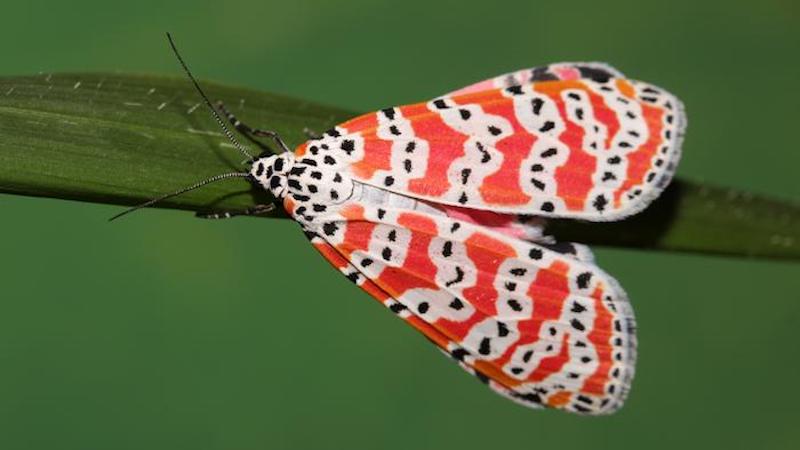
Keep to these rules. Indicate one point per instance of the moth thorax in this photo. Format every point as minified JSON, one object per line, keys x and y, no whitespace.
{"x":271,"y":173}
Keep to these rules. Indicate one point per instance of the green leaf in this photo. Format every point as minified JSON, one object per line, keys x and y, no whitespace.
{"x":124,"y":139}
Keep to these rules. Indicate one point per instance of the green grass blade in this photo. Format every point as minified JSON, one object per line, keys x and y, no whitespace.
{"x":124,"y":139}
{"x":692,"y":217}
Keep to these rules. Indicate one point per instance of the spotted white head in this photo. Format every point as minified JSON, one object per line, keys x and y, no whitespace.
{"x":272,"y":173}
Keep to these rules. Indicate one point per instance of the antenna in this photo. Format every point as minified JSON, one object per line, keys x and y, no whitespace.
{"x":181,"y":191}
{"x":208,"y":102}
{"x":224,"y":129}
{"x":221,"y":123}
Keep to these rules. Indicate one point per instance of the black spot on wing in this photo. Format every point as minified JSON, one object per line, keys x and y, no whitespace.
{"x":595,"y":74}
{"x":502,"y":329}
{"x":447,"y":249}
{"x":465,"y":173}
{"x":541,"y":74}
{"x":353,"y":276}
{"x":583,"y":280}
{"x":397,"y":307}
{"x":330,"y":228}
{"x":485,"y":346}
{"x":459,"y":354}
{"x":536,"y":105}
{"x":389,"y":113}
{"x":348,"y":146}
{"x":600,"y":203}
{"x":459,"y":277}
{"x":577,"y":308}
{"x":552,"y":151}
{"x":485,"y":156}
{"x":548,"y":125}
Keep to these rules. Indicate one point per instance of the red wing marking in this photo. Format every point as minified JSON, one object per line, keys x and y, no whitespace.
{"x":502,"y":187}
{"x":639,"y":160}
{"x":446,"y":145}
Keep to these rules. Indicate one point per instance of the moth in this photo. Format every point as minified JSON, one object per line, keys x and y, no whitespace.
{"x":437,"y":210}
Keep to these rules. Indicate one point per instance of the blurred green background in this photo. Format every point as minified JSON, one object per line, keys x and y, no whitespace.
{"x":163,"y":331}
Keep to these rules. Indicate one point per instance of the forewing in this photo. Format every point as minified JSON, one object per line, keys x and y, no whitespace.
{"x":540,"y":327}
{"x":592,"y":148}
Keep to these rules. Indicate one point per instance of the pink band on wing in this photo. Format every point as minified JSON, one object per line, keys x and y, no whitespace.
{"x":503,"y":223}
{"x":567,"y":73}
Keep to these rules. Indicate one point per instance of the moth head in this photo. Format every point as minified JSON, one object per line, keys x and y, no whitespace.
{"x":271,"y":172}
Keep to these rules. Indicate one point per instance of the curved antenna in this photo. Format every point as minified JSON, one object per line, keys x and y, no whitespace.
{"x":181,"y":191}
{"x":208,"y":102}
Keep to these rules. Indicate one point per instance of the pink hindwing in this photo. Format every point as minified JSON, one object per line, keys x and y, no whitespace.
{"x":583,"y":143}
{"x":437,"y":210}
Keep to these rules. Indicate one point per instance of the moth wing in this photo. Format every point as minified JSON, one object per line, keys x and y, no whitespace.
{"x":540,"y":327}
{"x":558,"y":71}
{"x":591,"y":148}
{"x":435,"y":336}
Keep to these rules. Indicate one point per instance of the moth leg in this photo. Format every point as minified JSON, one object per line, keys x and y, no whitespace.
{"x":311,"y":134}
{"x":250,"y":131}
{"x":224,"y":214}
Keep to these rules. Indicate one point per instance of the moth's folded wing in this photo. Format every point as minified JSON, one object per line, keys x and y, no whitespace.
{"x":401,"y":310}
{"x":538,"y":327}
{"x":564,"y":148}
